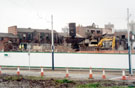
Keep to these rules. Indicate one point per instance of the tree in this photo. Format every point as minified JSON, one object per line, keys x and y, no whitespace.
{"x":65,"y":30}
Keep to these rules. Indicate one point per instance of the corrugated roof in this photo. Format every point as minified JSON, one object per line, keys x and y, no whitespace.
{"x":9,"y":35}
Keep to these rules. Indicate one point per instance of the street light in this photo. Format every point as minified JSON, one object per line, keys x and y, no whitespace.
{"x":29,"y":46}
{"x":52,"y":35}
{"x":52,"y":42}
{"x":129,"y":45}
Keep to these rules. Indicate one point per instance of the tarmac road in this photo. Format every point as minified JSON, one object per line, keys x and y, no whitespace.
{"x":74,"y":74}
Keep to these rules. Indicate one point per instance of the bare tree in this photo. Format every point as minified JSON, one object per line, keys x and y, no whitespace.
{"x":65,"y":30}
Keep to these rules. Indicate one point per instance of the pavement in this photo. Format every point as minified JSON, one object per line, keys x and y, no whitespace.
{"x":74,"y":74}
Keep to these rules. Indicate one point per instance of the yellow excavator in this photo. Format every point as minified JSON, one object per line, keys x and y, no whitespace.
{"x":102,"y":41}
{"x":105,"y":43}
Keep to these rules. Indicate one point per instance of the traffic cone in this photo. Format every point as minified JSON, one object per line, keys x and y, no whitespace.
{"x":0,"y":70}
{"x":18,"y":71}
{"x":123,"y":75}
{"x":67,"y":73}
{"x":103,"y":76}
{"x":90,"y":73}
{"x":42,"y":71}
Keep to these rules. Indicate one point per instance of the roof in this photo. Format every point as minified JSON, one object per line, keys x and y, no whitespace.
{"x":24,"y":30}
{"x":9,"y":35}
{"x":32,"y":30}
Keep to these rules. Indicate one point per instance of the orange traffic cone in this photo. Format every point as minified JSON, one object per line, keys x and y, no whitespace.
{"x":18,"y":71}
{"x":123,"y":75}
{"x":67,"y":73}
{"x":103,"y":76}
{"x":42,"y":71}
{"x":90,"y":73}
{"x":0,"y":70}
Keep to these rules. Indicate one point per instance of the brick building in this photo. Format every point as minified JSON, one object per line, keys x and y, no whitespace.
{"x":109,"y":28}
{"x":94,"y":30}
{"x":121,"y":40}
{"x":8,"y":42}
{"x":107,"y":31}
{"x":34,"y":36}
{"x":87,"y":31}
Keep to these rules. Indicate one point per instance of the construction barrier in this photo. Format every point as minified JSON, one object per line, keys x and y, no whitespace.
{"x":76,"y":60}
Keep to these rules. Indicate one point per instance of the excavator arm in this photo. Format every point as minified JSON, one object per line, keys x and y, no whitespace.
{"x":113,"y":42}
{"x":100,"y":44}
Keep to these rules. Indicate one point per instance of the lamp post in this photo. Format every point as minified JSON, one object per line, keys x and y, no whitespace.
{"x":52,"y":35}
{"x":52,"y":42}
{"x":129,"y":45}
{"x":29,"y":46}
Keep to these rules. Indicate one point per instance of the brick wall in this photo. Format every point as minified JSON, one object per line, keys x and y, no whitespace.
{"x":13,"y":30}
{"x":1,"y":46}
{"x":81,"y":31}
{"x":2,"y":43}
{"x":107,"y":30}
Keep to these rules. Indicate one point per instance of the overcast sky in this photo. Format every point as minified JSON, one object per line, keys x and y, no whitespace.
{"x":37,"y":13}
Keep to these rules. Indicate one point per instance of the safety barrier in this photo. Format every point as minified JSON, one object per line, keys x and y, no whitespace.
{"x":75,"y":60}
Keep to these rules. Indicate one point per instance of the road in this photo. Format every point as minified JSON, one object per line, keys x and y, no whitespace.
{"x":75,"y":74}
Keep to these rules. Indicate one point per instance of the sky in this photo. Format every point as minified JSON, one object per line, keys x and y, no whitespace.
{"x":37,"y":13}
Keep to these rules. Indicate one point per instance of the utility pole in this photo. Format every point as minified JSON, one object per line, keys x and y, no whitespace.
{"x":129,"y":45}
{"x":52,"y":42}
{"x":29,"y":46}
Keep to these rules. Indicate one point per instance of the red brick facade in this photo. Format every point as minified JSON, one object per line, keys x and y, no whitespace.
{"x":13,"y":30}
{"x":2,"y":42}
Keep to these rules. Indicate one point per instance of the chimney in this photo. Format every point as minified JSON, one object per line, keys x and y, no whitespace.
{"x":13,"y":30}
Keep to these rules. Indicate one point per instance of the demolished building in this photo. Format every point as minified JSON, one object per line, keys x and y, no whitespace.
{"x":38,"y":39}
{"x":8,"y":42}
